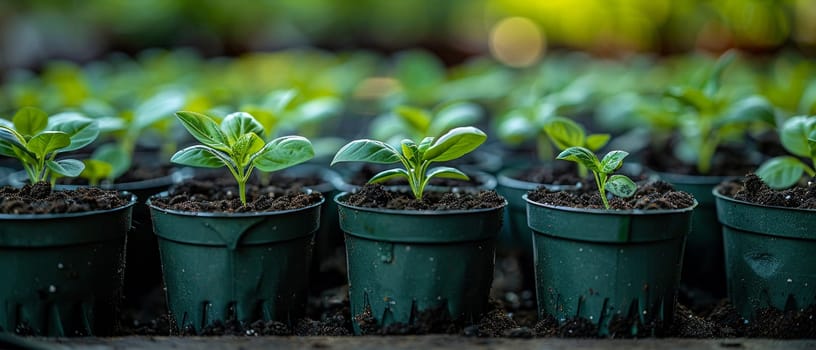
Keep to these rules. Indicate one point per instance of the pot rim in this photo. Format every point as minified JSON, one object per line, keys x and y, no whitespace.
{"x":230,"y":215}
{"x":638,"y":212}
{"x":717,"y":194}
{"x":133,"y":200}
{"x":694,"y":179}
{"x":415,"y":212}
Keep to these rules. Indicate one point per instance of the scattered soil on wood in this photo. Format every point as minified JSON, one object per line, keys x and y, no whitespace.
{"x":40,"y":199}
{"x":367,"y":171}
{"x":377,"y":196}
{"x":218,"y":196}
{"x":753,"y":190}
{"x":652,"y":196}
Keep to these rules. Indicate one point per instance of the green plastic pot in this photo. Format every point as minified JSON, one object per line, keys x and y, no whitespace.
{"x":770,"y":255}
{"x":241,"y":266}
{"x":62,"y":273}
{"x":704,"y":263}
{"x":402,"y":262}
{"x":600,"y":265}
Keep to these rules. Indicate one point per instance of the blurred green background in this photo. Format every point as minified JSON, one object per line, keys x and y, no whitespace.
{"x":516,"y":32}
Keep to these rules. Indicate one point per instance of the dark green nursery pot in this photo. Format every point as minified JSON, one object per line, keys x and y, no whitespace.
{"x":602,"y":265}
{"x":770,"y":255}
{"x":401,"y":262}
{"x":62,"y":273}
{"x":704,"y":263}
{"x":241,"y":266}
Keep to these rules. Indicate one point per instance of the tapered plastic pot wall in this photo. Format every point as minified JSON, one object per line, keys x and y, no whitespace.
{"x":603,"y":265}
{"x":704,"y":263}
{"x":62,"y":273}
{"x":770,"y":255}
{"x":243,"y":266}
{"x":403,"y":262}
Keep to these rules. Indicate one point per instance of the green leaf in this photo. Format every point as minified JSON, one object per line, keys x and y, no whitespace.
{"x":96,"y":170}
{"x":28,"y":121}
{"x":516,"y":128}
{"x":7,"y":149}
{"x":245,"y":148}
{"x":595,"y":142}
{"x":81,"y":130}
{"x":201,"y":156}
{"x":581,"y":156}
{"x":409,"y":150}
{"x":781,"y":172}
{"x":454,"y":115}
{"x":447,"y":173}
{"x":236,"y":125}
{"x":425,"y":144}
{"x":365,"y":150}
{"x":750,"y":109}
{"x":388,"y":175}
{"x":66,"y":167}
{"x":204,"y":129}
{"x":612,"y":161}
{"x":621,"y":186}
{"x":565,"y":133}
{"x":416,"y":118}
{"x":454,"y":144}
{"x":277,"y":101}
{"x":794,"y":134}
{"x":712,"y":85}
{"x":812,"y":146}
{"x":11,"y":136}
{"x":282,"y":153}
{"x":691,"y":97}
{"x":114,"y":155}
{"x":47,"y":142}
{"x":160,"y":106}
{"x":318,"y":109}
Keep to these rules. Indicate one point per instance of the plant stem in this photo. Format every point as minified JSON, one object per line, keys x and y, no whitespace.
{"x":600,"y":180}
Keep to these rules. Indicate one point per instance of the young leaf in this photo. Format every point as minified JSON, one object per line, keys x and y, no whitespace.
{"x":81,"y":130}
{"x":201,"y":156}
{"x":447,"y":173}
{"x":204,"y":129}
{"x":236,"y":125}
{"x":409,"y":149}
{"x":794,"y":134}
{"x":595,"y":142}
{"x":245,"y":148}
{"x":367,"y":151}
{"x":564,"y":133}
{"x":691,"y":97}
{"x":751,"y":109}
{"x":66,"y":167}
{"x":453,"y":115}
{"x":812,"y":146}
{"x":612,"y":161}
{"x":96,"y":170}
{"x":712,"y":85}
{"x":115,"y":156}
{"x":416,"y":118}
{"x":318,"y":109}
{"x":278,"y":100}
{"x":516,"y":128}
{"x":581,"y":156}
{"x":283,"y":152}
{"x":47,"y":142}
{"x":781,"y":172}
{"x":454,"y":144}
{"x":158,"y":107}
{"x":621,"y":186}
{"x":388,"y":175}
{"x":13,"y":137}
{"x":28,"y":121}
{"x":425,"y":144}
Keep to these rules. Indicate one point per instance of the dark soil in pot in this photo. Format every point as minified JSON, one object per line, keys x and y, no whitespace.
{"x":361,"y":176}
{"x":39,"y":199}
{"x":208,"y":196}
{"x":751,"y":189}
{"x":656,"y":195}
{"x":727,"y":161}
{"x":377,"y":196}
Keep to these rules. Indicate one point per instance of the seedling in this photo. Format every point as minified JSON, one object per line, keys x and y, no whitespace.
{"x":415,"y":158}
{"x":415,"y":123}
{"x":35,"y":140}
{"x":617,"y":184}
{"x":798,"y":136}
{"x":237,"y":144}
{"x":713,"y":116}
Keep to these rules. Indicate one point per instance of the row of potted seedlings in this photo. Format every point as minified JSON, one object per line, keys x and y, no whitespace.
{"x":245,"y":253}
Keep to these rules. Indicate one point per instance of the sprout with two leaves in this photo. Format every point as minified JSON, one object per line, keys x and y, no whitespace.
{"x":617,"y":184}
{"x":237,"y":144}
{"x":35,"y":139}
{"x":416,"y":158}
